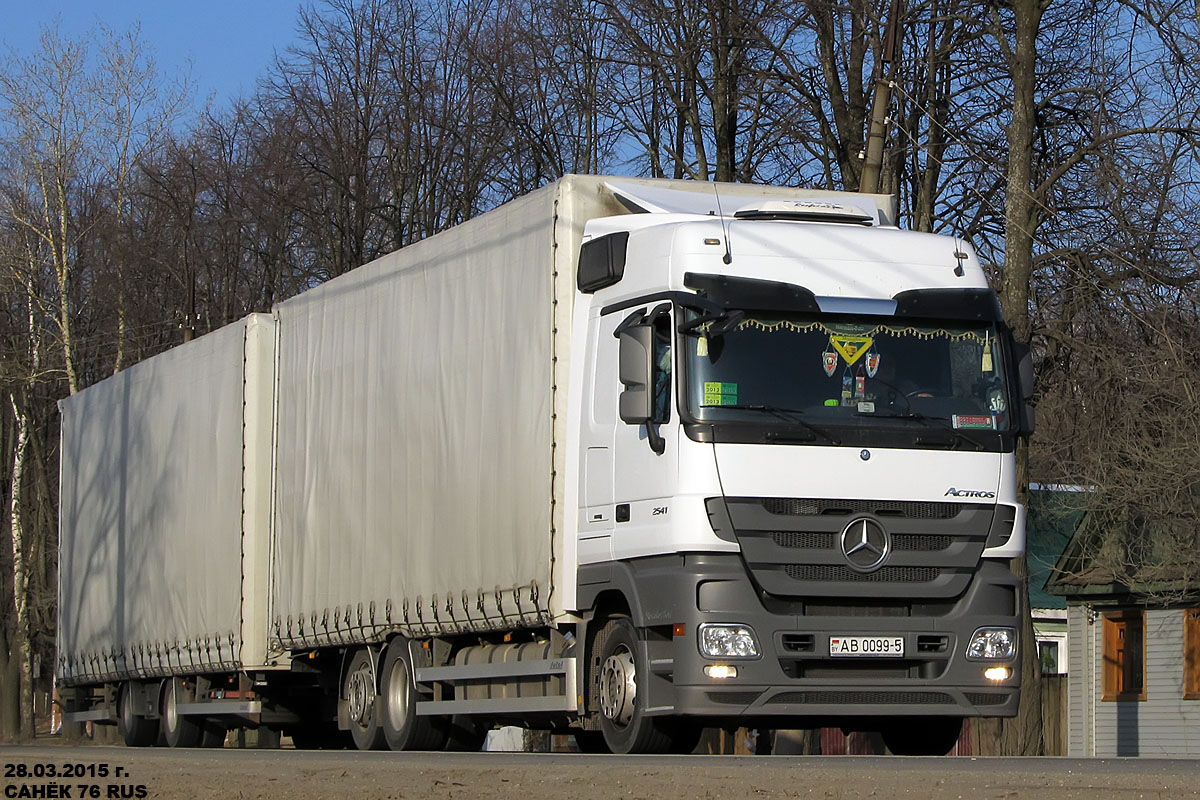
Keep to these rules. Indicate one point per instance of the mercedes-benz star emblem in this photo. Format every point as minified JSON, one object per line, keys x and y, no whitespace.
{"x":865,"y":544}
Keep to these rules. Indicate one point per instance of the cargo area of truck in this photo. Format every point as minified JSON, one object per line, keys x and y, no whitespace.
{"x":164,"y":508}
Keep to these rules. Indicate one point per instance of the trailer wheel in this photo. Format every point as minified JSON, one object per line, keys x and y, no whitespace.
{"x":402,"y":728}
{"x":178,"y":730}
{"x":136,"y":730}
{"x":358,"y":690}
{"x":922,"y":736}
{"x":623,"y":722}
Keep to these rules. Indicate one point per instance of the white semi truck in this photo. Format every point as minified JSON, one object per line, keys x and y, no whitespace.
{"x":623,"y":458}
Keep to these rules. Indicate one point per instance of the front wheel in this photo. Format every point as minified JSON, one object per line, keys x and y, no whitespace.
{"x":623,"y":721}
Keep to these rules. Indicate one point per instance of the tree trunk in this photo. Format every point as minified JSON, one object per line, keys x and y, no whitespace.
{"x":10,"y":696}
{"x":1020,"y":206}
{"x":23,"y":646}
{"x":1023,"y":734}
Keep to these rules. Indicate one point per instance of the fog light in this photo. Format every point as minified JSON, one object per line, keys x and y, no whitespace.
{"x":993,"y":644}
{"x":997,"y":673}
{"x":720,"y":671}
{"x":718,"y":640}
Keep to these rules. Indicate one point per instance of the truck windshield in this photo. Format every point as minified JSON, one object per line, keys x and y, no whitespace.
{"x":840,"y":373}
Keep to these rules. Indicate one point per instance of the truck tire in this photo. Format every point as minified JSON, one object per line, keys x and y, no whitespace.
{"x":928,"y":736}
{"x":358,"y":690}
{"x":625,"y":727}
{"x":402,"y":728}
{"x":136,"y":730}
{"x":178,"y":730}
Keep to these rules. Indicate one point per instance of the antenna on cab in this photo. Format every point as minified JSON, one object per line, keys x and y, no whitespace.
{"x":728,"y":257}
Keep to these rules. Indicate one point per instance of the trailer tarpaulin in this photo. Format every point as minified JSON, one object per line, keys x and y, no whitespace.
{"x":414,"y":470}
{"x":151,"y":558}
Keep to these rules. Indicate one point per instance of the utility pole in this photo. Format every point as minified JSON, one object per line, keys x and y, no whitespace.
{"x":877,"y":131}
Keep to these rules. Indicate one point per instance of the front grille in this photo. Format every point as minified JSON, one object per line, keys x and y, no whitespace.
{"x":733,"y":698}
{"x":798,"y":642}
{"x":856,"y":610}
{"x":921,"y":543}
{"x":980,"y":699}
{"x":822,"y":670}
{"x":907,"y":509}
{"x":901,"y":542}
{"x":793,"y":547}
{"x":840,"y":574}
{"x":805,"y":540}
{"x":864,"y":698}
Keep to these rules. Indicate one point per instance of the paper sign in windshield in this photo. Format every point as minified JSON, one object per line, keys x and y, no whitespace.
{"x":717,"y":393}
{"x":852,"y":348}
{"x":965,"y":421}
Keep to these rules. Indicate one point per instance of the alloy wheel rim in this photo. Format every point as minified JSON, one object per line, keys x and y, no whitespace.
{"x":618,"y":686}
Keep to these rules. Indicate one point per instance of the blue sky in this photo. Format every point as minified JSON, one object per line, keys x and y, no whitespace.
{"x":230,"y":43}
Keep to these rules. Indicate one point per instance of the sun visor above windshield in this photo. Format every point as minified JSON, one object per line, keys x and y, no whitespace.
{"x":752,"y":293}
{"x":967,"y":304}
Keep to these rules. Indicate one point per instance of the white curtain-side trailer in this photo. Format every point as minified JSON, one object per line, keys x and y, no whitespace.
{"x":621,"y":458}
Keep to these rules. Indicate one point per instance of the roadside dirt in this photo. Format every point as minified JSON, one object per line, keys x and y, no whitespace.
{"x":250,"y":774}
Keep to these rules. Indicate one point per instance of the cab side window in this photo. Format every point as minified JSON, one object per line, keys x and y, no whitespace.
{"x":662,"y":369}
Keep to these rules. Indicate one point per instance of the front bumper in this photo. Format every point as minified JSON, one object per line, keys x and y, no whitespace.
{"x":795,"y":676}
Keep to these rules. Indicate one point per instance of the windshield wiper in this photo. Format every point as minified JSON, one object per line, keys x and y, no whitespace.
{"x":785,"y":414}
{"x":942,"y":422}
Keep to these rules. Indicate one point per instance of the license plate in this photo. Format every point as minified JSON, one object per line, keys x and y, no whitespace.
{"x":866,"y":646}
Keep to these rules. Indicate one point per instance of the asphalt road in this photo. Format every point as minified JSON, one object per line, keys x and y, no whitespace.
{"x":104,"y":772}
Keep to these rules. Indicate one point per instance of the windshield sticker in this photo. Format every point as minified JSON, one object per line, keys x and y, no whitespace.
{"x":872,"y":364}
{"x":965,"y":421}
{"x":829,"y":361}
{"x":831,"y":403}
{"x":852,"y":348}
{"x":850,"y":329}
{"x":717,"y":393}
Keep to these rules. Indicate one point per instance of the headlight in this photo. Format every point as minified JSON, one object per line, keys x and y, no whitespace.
{"x":993,"y":644}
{"x":719,"y":640}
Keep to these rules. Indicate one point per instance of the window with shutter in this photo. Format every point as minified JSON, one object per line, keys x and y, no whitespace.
{"x":1124,"y":655}
{"x":1191,"y":654}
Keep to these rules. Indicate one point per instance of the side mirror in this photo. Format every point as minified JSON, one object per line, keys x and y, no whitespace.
{"x":1024,"y":369}
{"x":1029,"y":422}
{"x":635,"y":368}
{"x":1025,"y":378}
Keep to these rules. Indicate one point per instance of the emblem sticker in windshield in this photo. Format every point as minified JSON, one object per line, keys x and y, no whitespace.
{"x":851,"y":348}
